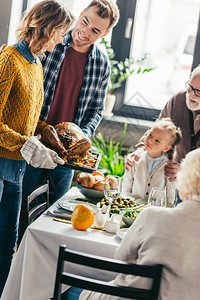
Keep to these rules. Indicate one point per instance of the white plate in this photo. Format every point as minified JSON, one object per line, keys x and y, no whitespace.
{"x":121,"y":233}
{"x":141,"y":201}
{"x":70,"y":205}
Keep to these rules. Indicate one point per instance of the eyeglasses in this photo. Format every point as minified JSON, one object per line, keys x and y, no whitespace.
{"x":189,"y":88}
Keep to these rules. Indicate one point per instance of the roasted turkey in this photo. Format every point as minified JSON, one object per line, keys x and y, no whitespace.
{"x":67,"y":139}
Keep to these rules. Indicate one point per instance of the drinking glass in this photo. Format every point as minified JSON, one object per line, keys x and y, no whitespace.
{"x":112,"y":188}
{"x":157,"y":197}
{"x":171,"y":195}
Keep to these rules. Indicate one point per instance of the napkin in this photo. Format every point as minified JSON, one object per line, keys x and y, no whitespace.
{"x":55,"y":211}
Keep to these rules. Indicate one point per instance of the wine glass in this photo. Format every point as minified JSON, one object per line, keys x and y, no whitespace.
{"x":157,"y":197}
{"x":171,"y":195}
{"x":112,"y":188}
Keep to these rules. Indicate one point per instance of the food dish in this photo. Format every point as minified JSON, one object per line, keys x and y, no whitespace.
{"x":71,"y":204}
{"x":121,"y":233}
{"x":128,"y":221}
{"x":141,"y":201}
{"x":130,"y":215}
{"x":90,"y":194}
{"x":119,"y":204}
{"x":86,"y":168}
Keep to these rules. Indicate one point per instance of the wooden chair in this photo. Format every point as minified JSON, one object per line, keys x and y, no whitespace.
{"x":32,"y":210}
{"x":153,"y":272}
{"x":38,"y":209}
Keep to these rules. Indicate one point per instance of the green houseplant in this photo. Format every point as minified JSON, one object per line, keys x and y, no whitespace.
{"x":112,"y":161}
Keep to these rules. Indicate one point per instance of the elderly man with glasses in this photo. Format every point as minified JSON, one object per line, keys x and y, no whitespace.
{"x":184,"y":111}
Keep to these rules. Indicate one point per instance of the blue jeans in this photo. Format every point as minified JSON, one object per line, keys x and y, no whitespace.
{"x":60,"y":180}
{"x":11,"y":175}
{"x":72,"y":293}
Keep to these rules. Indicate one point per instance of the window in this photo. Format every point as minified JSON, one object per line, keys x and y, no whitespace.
{"x":166,"y":31}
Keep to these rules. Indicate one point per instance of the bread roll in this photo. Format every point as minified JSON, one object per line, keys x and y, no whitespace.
{"x":99,"y":185}
{"x":79,"y":176}
{"x":97,"y":173}
{"x":98,"y":178}
{"x":87,"y":181}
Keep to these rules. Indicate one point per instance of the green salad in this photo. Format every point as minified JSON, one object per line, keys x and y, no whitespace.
{"x":134,"y":212}
{"x":131,"y":214}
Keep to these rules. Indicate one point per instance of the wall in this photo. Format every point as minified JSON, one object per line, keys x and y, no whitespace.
{"x":4,"y":20}
{"x":112,"y":129}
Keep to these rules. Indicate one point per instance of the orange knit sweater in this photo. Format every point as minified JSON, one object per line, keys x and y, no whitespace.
{"x":21,"y":98}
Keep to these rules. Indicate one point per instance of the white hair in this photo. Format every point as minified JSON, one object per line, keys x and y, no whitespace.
{"x":189,"y":175}
{"x":196,"y":71}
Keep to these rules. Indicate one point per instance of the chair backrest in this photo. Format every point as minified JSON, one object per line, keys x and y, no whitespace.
{"x":38,"y":209}
{"x":154,"y":272}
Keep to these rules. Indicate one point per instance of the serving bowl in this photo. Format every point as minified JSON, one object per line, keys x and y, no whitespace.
{"x":128,"y":221}
{"x":90,"y":194}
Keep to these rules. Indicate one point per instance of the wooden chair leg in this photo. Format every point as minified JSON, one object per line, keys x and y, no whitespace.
{"x":23,"y":221}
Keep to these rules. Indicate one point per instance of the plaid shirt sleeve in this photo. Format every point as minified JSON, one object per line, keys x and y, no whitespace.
{"x":93,"y":93}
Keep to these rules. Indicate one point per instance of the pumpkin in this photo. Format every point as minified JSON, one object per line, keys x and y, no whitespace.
{"x":82,"y":217}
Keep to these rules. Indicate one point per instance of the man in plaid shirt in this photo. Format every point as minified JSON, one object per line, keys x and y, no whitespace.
{"x":76,"y":76}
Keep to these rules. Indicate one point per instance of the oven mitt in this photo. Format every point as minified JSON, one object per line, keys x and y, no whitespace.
{"x":39,"y":156}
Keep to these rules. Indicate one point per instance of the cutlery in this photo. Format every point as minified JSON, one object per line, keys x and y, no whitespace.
{"x":62,"y":220}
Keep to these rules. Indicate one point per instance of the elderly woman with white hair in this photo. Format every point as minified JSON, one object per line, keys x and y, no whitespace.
{"x":167,"y":236}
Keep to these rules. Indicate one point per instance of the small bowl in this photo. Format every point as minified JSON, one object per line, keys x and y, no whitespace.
{"x":90,"y":194}
{"x":128,"y":221}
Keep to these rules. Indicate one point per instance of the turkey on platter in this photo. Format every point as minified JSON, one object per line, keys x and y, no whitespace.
{"x":67,"y":139}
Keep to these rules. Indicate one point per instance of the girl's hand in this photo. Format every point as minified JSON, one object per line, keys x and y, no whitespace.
{"x":171,"y":170}
{"x":131,"y":159}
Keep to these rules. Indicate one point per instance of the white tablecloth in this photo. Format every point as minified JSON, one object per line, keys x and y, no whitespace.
{"x":33,"y":270}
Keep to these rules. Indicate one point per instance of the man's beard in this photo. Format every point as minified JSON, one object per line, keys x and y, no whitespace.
{"x":192,"y":106}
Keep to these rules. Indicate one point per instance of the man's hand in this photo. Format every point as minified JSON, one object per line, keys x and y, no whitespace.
{"x":130,"y":160}
{"x":2,"y":47}
{"x":171,"y":170}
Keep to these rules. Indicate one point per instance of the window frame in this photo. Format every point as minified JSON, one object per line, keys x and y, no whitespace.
{"x":122,"y":50}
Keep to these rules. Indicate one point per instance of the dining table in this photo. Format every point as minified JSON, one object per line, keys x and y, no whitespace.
{"x":33,"y":270}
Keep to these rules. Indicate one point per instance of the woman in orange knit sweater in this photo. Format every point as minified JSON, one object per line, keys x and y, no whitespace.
{"x":21,"y":98}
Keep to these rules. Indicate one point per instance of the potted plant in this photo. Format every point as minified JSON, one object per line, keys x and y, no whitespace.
{"x":120,"y":71}
{"x":112,"y":161}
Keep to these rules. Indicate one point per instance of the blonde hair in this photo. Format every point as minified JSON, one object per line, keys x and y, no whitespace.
{"x":40,"y":23}
{"x":174,"y":132}
{"x":188,"y":176}
{"x":106,"y":9}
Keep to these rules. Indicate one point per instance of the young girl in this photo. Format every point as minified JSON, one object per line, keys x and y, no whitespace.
{"x":21,"y":98}
{"x":149,"y":172}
